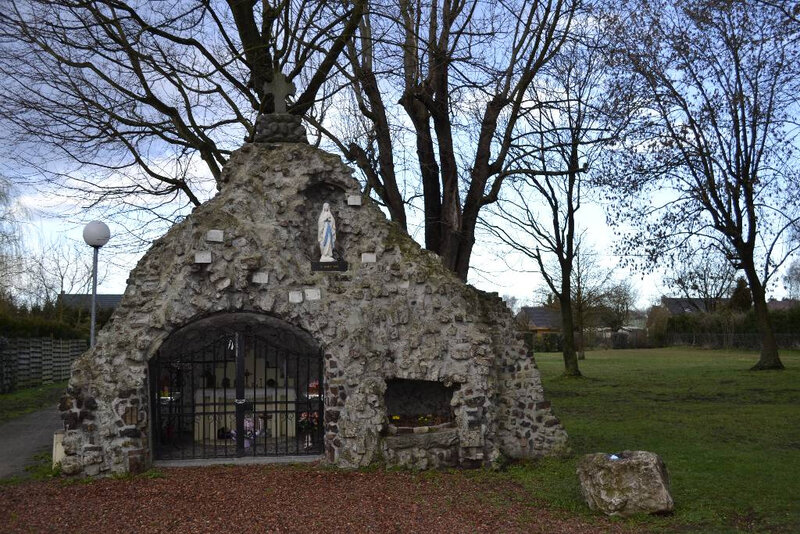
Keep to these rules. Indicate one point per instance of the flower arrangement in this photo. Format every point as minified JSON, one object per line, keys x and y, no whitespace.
{"x":250,"y":431}
{"x":418,"y":420}
{"x":308,"y":422}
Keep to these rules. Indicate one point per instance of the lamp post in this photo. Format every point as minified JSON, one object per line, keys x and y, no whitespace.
{"x":96,"y":234}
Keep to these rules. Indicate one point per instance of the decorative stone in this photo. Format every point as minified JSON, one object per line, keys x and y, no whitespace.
{"x":223,"y":284}
{"x":202,"y":257}
{"x":625,"y":483}
{"x":354,"y":200}
{"x":369,"y":257}
{"x":91,"y":470}
{"x":261,"y":277}
{"x":280,"y":128}
{"x":136,"y":461}
{"x":215,"y":236}
{"x":295,"y":297}
{"x":71,"y":465}
{"x":71,"y":442}
{"x":312,"y":294}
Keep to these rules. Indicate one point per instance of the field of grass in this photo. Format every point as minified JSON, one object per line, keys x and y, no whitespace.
{"x":29,"y":400}
{"x":730,"y":437}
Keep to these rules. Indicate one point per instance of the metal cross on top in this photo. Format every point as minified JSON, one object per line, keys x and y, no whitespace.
{"x":280,"y":87}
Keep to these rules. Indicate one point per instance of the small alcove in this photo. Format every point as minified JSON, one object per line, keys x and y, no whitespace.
{"x":419,"y":403}
{"x":314,"y":197}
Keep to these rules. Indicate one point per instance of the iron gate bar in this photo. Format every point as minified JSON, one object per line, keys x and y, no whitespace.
{"x":193,"y":409}
{"x":239,"y":402}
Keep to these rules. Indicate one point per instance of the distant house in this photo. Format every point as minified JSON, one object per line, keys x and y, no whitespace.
{"x":81,"y":301}
{"x":540,"y":319}
{"x":684,"y":305}
{"x":784,"y":304}
{"x":637,"y":320}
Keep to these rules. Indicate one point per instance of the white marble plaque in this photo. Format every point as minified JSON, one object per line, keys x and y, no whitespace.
{"x":215,"y":236}
{"x":202,"y":257}
{"x":312,"y":293}
{"x":354,"y":200}
{"x":369,"y":257}
{"x":261,"y":277}
{"x":295,"y":297}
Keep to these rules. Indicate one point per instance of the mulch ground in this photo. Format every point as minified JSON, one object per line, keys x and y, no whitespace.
{"x":242,"y":499}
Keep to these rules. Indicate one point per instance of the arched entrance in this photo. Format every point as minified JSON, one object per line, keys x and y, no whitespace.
{"x":236,"y":385}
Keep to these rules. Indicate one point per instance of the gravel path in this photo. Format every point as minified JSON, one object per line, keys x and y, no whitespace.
{"x":241,"y":499}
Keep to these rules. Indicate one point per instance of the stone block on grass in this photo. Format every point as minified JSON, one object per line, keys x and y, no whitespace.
{"x":625,"y":483}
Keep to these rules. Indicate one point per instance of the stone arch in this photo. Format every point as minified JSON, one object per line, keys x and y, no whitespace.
{"x":199,"y":329}
{"x":236,"y":384}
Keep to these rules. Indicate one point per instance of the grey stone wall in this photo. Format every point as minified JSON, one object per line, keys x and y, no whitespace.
{"x":395,"y":313}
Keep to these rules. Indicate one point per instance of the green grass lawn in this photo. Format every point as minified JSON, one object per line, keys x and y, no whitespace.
{"x":730,"y":437}
{"x":29,"y":400}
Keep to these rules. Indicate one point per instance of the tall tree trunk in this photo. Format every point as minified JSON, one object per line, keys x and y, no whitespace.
{"x":567,"y":325}
{"x":768,"y":358}
{"x":429,"y":170}
{"x":580,"y":343}
{"x":568,"y":330}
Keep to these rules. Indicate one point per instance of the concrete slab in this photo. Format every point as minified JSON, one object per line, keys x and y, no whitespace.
{"x":246,"y":460}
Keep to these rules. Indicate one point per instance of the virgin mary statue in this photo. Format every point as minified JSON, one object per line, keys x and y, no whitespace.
{"x":326,"y":234}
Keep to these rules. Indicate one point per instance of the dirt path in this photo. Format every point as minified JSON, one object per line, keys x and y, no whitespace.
{"x":284,"y":499}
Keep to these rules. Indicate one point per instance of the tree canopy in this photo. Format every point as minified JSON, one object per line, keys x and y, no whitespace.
{"x":711,"y":155}
{"x":132,"y":104}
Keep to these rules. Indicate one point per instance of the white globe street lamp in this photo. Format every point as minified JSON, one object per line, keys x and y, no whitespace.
{"x":96,"y":234}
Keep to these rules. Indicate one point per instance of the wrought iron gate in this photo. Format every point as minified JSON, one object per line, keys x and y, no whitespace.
{"x":239,"y":395}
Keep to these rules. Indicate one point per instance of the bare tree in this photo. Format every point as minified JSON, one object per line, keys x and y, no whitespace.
{"x":791,"y":280}
{"x":134,"y":103}
{"x":56,"y":268}
{"x":712,"y":155}
{"x":9,"y":237}
{"x":791,"y":12}
{"x":704,"y":274}
{"x":590,"y":282}
{"x":618,"y":303}
{"x":461,"y":71}
{"x":547,"y":165}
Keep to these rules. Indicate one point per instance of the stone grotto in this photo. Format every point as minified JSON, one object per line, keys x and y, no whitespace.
{"x":234,"y":339}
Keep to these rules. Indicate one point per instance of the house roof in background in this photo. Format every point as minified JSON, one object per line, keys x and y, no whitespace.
{"x":541,"y":317}
{"x":81,"y":301}
{"x":683,"y":305}
{"x":785,"y":304}
{"x":680,"y":306}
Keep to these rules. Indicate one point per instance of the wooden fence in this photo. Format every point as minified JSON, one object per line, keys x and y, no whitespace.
{"x":30,"y":362}
{"x":716,"y":340}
